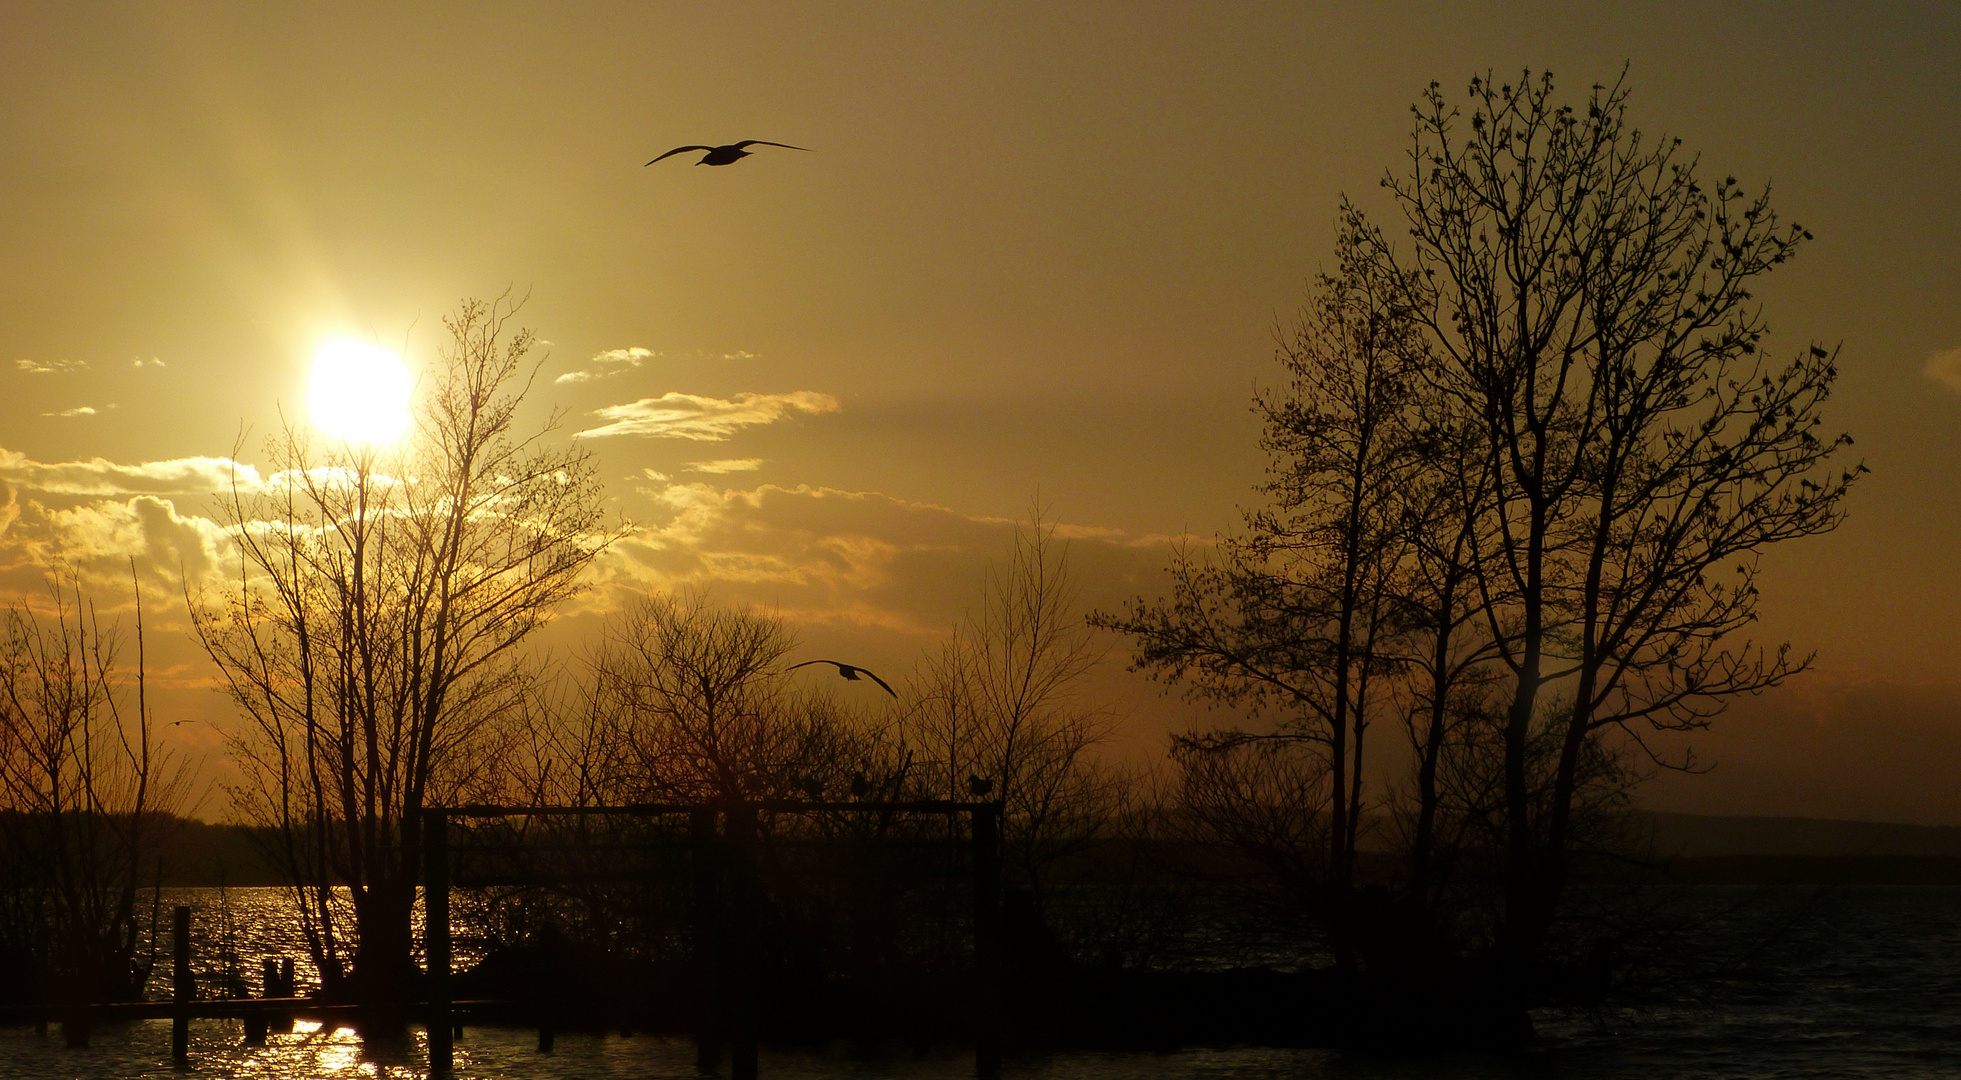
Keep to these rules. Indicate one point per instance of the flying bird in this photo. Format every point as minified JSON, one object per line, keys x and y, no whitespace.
{"x":730,"y":154}
{"x":849,"y":671}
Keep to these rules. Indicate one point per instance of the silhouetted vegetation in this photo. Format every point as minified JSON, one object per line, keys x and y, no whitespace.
{"x":84,"y":805}
{"x":372,"y":641}
{"x":1522,"y":468}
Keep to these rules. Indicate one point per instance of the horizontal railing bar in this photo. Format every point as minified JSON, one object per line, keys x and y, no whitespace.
{"x":220,"y":1008}
{"x":775,"y":806}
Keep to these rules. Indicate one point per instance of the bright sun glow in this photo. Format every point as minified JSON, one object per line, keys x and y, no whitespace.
{"x":360,"y":392}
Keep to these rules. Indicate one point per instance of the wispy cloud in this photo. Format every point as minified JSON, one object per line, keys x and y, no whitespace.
{"x":722,"y":466}
{"x":139,"y":362}
{"x":1945,"y":367}
{"x":620,"y":361}
{"x":99,"y":476}
{"x":35,"y":367}
{"x":611,"y":362}
{"x":706,"y":419}
{"x":820,"y":555}
{"x":79,"y":410}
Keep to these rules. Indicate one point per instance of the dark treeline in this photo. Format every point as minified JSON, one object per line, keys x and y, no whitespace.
{"x":1526,"y":450}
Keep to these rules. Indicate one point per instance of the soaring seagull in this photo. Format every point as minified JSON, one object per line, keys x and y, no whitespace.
{"x":728,"y":155}
{"x":849,"y":671}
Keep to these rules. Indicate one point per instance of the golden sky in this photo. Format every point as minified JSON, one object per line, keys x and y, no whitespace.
{"x":1035,"y":248}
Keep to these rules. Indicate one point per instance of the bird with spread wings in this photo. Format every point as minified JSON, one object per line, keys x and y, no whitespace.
{"x":849,"y":671}
{"x":730,"y":154}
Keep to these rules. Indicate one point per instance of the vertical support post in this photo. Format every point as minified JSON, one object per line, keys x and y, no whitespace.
{"x":283,"y":1023}
{"x":257,"y":1021}
{"x":744,"y":948}
{"x":182,"y":992}
{"x":986,"y":838}
{"x":710,"y":942}
{"x":435,"y":938}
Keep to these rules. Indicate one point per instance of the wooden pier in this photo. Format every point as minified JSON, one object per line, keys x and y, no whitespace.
{"x":722,"y":842}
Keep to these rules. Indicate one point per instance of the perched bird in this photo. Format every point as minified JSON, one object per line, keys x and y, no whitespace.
{"x":727,"y":155}
{"x":860,"y":787}
{"x":849,"y":671}
{"x":813,"y":788}
{"x":979,"y":785}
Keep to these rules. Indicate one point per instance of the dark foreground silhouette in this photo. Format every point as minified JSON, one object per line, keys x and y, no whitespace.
{"x":1065,"y":1007}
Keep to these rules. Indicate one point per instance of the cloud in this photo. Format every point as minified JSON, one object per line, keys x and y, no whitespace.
{"x":35,"y":368}
{"x":827,"y":557}
{"x":1945,"y":367}
{"x":151,"y":530}
{"x":612,"y":362}
{"x":706,"y":419}
{"x":139,"y":362}
{"x":722,"y":466}
{"x":99,"y":476}
{"x":633,"y":356}
{"x":79,"y":410}
{"x":99,"y":542}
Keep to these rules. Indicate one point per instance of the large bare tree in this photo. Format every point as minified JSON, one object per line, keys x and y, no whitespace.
{"x":373,"y":638}
{"x":1298,"y":615}
{"x":1527,"y":506}
{"x":1588,"y":296}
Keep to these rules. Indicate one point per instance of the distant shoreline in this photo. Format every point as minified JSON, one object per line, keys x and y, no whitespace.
{"x":1696,"y":849}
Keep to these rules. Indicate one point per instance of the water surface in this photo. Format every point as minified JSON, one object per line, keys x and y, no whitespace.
{"x":1851,"y":982}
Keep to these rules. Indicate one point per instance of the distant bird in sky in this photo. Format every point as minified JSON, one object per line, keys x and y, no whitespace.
{"x":730,"y":154}
{"x":849,"y":671}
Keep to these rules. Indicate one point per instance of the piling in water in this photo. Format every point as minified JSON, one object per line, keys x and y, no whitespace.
{"x":181,"y":991}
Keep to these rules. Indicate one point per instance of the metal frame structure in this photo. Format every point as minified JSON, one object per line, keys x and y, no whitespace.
{"x":738,"y":843}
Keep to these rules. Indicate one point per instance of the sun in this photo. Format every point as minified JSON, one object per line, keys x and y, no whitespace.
{"x":360,"y":392}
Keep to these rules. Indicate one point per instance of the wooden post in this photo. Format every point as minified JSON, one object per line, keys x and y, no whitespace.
{"x":283,"y":1023}
{"x":743,"y":904}
{"x":257,"y":1022}
{"x":75,"y":1024}
{"x":987,"y":940}
{"x":182,"y":992}
{"x":435,"y":938}
{"x":709,"y":941}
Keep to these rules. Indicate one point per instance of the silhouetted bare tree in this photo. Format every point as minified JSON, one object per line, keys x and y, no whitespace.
{"x":1511,"y":467}
{"x":84,"y":799}
{"x":1300,"y":613}
{"x":1003,"y":701}
{"x":1589,"y":299}
{"x":373,"y":637}
{"x":691,"y":702}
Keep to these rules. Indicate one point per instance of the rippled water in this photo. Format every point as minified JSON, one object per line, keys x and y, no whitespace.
{"x":1857,"y":982}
